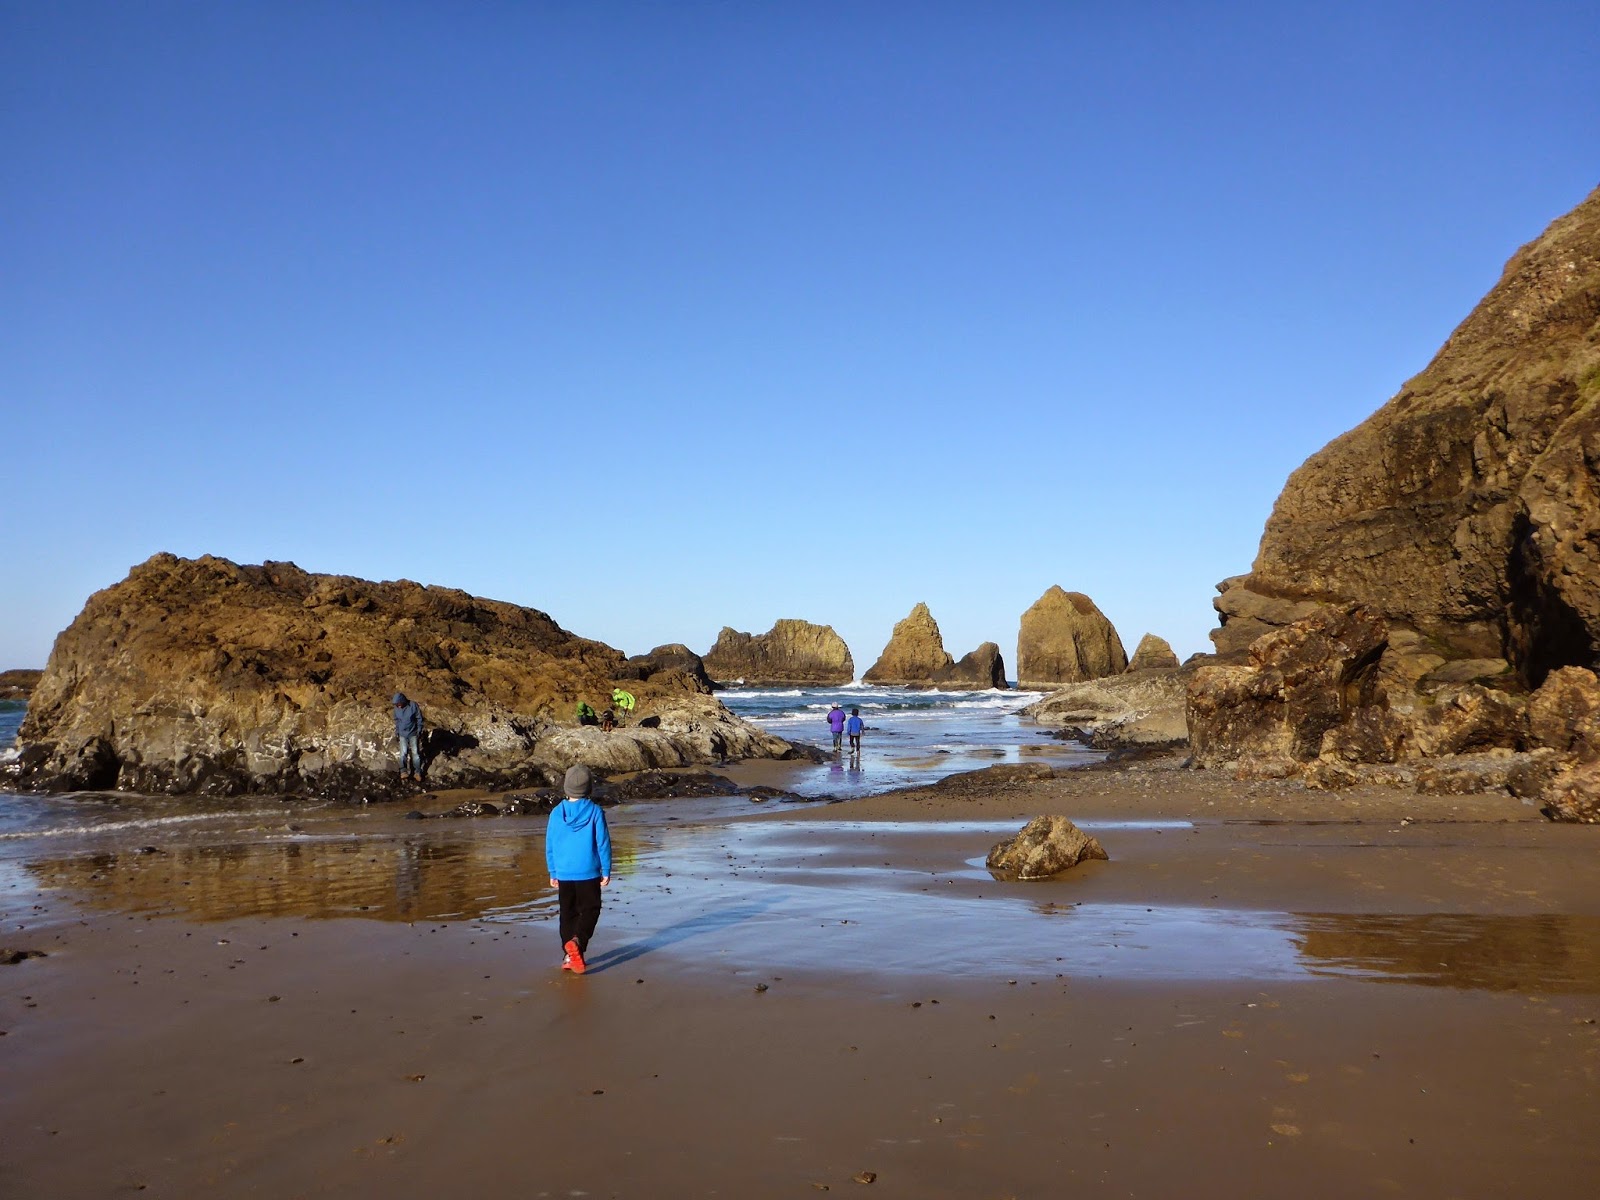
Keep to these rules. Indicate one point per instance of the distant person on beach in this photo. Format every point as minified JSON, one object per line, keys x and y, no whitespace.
{"x":836,"y":723}
{"x":853,"y":727}
{"x":623,"y":702}
{"x":577,"y":849}
{"x":408,"y":728}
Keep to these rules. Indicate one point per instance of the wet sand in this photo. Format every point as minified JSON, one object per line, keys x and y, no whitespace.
{"x":1265,"y":992}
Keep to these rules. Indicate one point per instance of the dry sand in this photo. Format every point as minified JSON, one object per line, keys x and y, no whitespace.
{"x":1265,"y":992}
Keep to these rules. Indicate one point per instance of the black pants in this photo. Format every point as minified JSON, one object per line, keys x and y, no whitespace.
{"x":580,"y":910}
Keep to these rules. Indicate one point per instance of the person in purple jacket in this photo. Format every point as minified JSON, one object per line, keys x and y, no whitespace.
{"x":577,"y":849}
{"x":836,"y":723}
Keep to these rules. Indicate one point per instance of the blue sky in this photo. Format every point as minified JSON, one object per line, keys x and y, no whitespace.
{"x":665,"y":316}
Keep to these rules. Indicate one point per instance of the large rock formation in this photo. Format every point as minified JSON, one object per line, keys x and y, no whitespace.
{"x":1144,"y":709}
{"x":1154,"y":653}
{"x":205,"y":676}
{"x":791,"y":654}
{"x":916,"y":657}
{"x":18,"y":684}
{"x":1466,"y":511}
{"x":1066,"y":639}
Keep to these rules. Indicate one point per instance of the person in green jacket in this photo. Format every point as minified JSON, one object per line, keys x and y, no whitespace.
{"x":623,"y":702}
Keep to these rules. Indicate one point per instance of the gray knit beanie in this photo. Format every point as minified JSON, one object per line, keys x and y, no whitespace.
{"x":578,"y":781}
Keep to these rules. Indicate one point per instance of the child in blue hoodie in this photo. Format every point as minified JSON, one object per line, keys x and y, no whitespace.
{"x":577,"y":849}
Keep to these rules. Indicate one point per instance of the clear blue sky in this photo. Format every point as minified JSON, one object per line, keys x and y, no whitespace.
{"x":665,"y":316}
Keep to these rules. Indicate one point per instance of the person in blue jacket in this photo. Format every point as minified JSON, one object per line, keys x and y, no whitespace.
{"x":853,"y":728}
{"x":408,"y":728}
{"x":577,"y":849}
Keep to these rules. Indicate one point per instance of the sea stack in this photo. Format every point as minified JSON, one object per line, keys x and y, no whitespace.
{"x":916,"y":657}
{"x":792,"y":653}
{"x":1065,"y":638}
{"x":204,"y":676}
{"x":1154,"y":653}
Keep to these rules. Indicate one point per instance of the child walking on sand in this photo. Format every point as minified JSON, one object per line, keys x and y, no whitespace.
{"x":853,"y":727}
{"x":577,"y":849}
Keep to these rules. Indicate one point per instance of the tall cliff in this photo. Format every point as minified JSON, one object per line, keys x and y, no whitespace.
{"x":1465,"y":511}
{"x":206,"y":676}
{"x":791,"y":653}
{"x":1065,"y":638}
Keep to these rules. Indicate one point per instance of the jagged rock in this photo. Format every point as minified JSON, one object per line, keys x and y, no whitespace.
{"x":18,"y":684}
{"x":1531,"y":774}
{"x":1153,"y":653}
{"x":1564,"y":714}
{"x":1573,"y":794}
{"x":203,"y":676}
{"x":1370,"y":735}
{"x":1468,"y":718}
{"x":1301,"y":681}
{"x":1045,"y":846}
{"x":1467,"y":509}
{"x":1464,"y":670}
{"x":659,"y":662}
{"x":1137,"y":709}
{"x":981,"y":669}
{"x":791,"y":654}
{"x":915,"y":655}
{"x":1466,"y":774}
{"x":1066,"y":639}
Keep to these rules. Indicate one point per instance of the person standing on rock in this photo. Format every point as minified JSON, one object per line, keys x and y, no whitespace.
{"x":836,"y":723}
{"x":853,"y":727}
{"x":577,"y":850}
{"x":408,"y":728}
{"x":623,"y":703}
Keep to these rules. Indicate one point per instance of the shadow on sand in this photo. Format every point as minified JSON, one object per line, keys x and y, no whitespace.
{"x":708,"y":922}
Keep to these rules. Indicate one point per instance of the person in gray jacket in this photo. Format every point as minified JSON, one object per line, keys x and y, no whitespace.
{"x":408,"y":728}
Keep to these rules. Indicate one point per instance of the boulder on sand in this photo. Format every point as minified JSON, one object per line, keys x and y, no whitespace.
{"x":1065,"y":638}
{"x":1045,"y":846}
{"x":792,"y":653}
{"x":203,"y":676}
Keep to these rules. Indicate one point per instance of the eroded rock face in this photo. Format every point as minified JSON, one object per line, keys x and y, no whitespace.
{"x":1134,"y":710}
{"x":792,"y":654}
{"x":1564,"y":714}
{"x":203,"y":676}
{"x":1300,"y":682}
{"x":916,"y":657}
{"x":1045,"y":846}
{"x":1466,"y":511}
{"x":1153,"y":654}
{"x":915,"y":654}
{"x":1065,"y":638}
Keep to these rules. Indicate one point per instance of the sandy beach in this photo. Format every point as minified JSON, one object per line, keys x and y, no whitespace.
{"x":1260,"y":994}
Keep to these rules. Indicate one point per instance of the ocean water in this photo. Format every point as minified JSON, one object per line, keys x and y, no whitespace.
{"x":912,"y":736}
{"x":11,"y":712}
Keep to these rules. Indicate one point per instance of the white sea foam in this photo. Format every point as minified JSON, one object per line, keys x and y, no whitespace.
{"x":80,"y":828}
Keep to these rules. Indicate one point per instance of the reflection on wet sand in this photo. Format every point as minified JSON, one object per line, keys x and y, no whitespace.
{"x":1544,"y":952}
{"x":399,"y":879}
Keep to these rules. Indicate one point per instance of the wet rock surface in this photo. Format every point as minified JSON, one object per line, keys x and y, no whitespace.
{"x":204,"y":677}
{"x":792,"y":653}
{"x":1045,"y":846}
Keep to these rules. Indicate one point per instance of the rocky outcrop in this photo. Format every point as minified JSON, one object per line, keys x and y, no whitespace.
{"x":203,"y":676}
{"x":1135,"y":710}
{"x":1466,"y":511}
{"x":1300,"y":682}
{"x":663,"y":659}
{"x":18,"y":684}
{"x":915,"y":654}
{"x":1154,"y":653}
{"x":1066,"y":639}
{"x":791,"y":654}
{"x":1045,"y":846}
{"x":916,"y":657}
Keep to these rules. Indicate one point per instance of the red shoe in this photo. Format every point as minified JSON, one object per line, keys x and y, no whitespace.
{"x":574,"y":962}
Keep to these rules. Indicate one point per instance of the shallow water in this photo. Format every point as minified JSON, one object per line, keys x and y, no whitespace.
{"x":912,"y":736}
{"x":799,"y":896}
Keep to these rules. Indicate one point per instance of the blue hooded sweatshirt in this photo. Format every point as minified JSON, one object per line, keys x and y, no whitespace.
{"x":577,"y":842}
